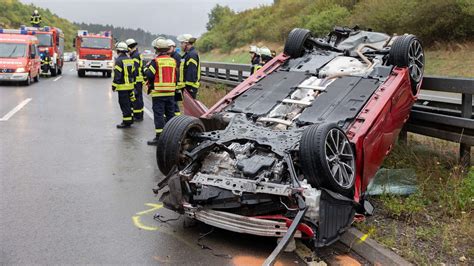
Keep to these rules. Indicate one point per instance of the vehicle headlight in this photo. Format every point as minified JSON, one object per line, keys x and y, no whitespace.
{"x":110,"y":64}
{"x":20,"y":70}
{"x":81,"y":62}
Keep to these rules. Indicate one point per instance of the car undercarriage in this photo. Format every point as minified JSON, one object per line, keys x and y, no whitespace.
{"x":279,"y":158}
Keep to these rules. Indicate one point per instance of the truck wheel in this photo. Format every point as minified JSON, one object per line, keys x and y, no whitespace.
{"x":54,"y":71}
{"x":109,"y":74}
{"x":60,"y":71}
{"x":37,"y":78}
{"x":294,"y":45}
{"x":407,"y":51}
{"x":81,"y":73}
{"x":175,"y":139}
{"x":27,"y":82}
{"x":327,"y":158}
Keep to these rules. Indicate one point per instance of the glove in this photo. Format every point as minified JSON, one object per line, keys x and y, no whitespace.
{"x":113,"y":88}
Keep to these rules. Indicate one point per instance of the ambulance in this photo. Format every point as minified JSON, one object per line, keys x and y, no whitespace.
{"x":19,"y":57}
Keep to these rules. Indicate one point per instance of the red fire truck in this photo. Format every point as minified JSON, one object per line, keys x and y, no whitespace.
{"x":95,"y":53}
{"x":51,"y":48}
{"x":19,"y":56}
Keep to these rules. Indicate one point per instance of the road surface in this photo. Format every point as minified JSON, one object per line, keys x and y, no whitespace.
{"x":76,"y":190}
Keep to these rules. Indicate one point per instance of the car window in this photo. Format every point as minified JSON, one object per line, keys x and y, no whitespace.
{"x":13,"y":50}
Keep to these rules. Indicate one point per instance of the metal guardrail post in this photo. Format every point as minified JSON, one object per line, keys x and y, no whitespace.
{"x":240,"y":76}
{"x":227,"y":74}
{"x":466,"y":112}
{"x":216,"y":72}
{"x":207,"y":71}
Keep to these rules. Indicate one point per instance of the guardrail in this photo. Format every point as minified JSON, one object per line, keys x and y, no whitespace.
{"x":443,"y":117}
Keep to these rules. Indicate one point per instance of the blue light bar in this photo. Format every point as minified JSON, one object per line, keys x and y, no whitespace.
{"x":84,"y":33}
{"x":46,"y":28}
{"x":107,"y":34}
{"x":1,"y":30}
{"x":24,"y":32}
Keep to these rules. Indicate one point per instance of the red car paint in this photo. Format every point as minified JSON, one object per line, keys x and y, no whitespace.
{"x":373,"y":132}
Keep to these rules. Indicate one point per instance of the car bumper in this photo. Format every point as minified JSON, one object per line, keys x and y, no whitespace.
{"x":238,"y":223}
{"x":95,"y":65}
{"x":13,"y":76}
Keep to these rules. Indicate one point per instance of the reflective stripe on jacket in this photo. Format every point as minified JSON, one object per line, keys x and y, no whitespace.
{"x":163,"y":69}
{"x":138,"y":59}
{"x":191,"y":69}
{"x":35,"y":19}
{"x":124,"y":73}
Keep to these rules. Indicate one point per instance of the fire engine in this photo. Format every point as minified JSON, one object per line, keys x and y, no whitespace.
{"x":51,"y":48}
{"x":19,"y":56}
{"x":95,"y":53}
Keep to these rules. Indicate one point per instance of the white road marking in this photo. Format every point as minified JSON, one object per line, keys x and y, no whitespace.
{"x":148,"y":112}
{"x":56,"y":79}
{"x":14,"y":110}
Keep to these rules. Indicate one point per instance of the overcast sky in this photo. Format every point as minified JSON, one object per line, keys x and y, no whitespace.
{"x":157,"y":16}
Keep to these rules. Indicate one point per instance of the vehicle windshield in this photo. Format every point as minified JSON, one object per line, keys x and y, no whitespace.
{"x":44,"y":39}
{"x":96,"y":43}
{"x":12,"y":50}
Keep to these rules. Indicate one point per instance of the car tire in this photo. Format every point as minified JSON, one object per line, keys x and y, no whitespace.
{"x":60,"y":71}
{"x":27,"y":82}
{"x":174,"y":139}
{"x":54,"y":71}
{"x":324,"y":165}
{"x":37,"y":78}
{"x":407,"y":51}
{"x":294,"y":45}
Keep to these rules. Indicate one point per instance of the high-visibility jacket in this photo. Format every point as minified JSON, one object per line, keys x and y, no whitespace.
{"x":161,"y":74}
{"x":124,"y":73}
{"x":138,"y":60}
{"x":35,"y":19}
{"x":190,"y":69}
{"x":255,"y":64}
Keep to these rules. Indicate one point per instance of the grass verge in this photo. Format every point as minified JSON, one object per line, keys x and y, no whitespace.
{"x":434,"y":225}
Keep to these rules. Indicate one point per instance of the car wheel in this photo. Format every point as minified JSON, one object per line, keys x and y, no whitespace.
{"x":54,"y":71}
{"x":174,"y":140}
{"x":27,"y":82}
{"x":37,"y":78}
{"x":60,"y":71}
{"x":407,"y":51}
{"x":294,"y":45}
{"x":327,"y":158}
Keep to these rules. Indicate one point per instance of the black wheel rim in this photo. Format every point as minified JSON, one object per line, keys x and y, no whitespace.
{"x":416,"y":61}
{"x":340,"y":158}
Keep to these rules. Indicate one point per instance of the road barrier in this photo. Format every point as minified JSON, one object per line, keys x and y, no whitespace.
{"x":439,"y":111}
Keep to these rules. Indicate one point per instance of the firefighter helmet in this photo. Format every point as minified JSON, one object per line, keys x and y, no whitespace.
{"x":186,"y":38}
{"x":121,"y":47}
{"x":130,"y":42}
{"x":253,"y":49}
{"x":265,"y":51}
{"x":160,"y":43}
{"x":171,"y":42}
{"x":35,"y":12}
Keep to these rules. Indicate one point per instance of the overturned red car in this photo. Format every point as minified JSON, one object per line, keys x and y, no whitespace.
{"x":290,"y":151}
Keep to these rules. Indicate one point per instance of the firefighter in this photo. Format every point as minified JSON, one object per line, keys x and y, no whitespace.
{"x":35,"y":19}
{"x":265,"y":57}
{"x":177,"y":57}
{"x":190,"y":68}
{"x":254,"y":58}
{"x":161,"y":76}
{"x":123,"y":83}
{"x":139,"y":81}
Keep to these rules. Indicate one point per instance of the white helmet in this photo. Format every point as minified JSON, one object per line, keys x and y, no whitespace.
{"x":130,"y":42}
{"x":186,"y":38}
{"x":171,"y":42}
{"x":265,"y":51}
{"x":121,"y":47}
{"x":253,"y":49}
{"x":160,"y":43}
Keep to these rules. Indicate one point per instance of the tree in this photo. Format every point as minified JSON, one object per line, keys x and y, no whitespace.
{"x":217,"y":14}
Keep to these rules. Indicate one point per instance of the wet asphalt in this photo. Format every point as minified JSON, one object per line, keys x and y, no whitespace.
{"x":76,"y":190}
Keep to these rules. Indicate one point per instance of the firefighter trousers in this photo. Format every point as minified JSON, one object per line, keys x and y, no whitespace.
{"x":163,"y":111}
{"x":138,"y":103}
{"x":125,"y":102}
{"x":193,"y":91}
